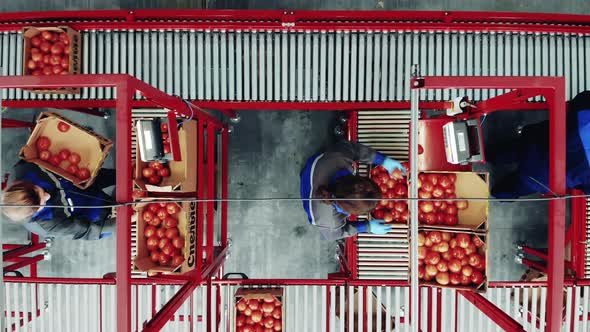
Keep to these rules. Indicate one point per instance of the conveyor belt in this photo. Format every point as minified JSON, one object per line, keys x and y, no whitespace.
{"x":384,"y":257}
{"x":312,"y":65}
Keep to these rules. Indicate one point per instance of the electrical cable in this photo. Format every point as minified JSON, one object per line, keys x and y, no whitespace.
{"x":289,"y":199}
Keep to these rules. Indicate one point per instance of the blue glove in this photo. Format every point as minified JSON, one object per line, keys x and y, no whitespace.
{"x":378,"y":226}
{"x":391,"y":164}
{"x":104,"y":235}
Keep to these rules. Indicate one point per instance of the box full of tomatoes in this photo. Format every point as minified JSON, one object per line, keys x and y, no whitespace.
{"x":446,"y":209}
{"x":393,"y":208}
{"x":67,"y":149}
{"x":453,"y":260}
{"x":52,"y":51}
{"x":259,"y":310}
{"x":172,"y":176}
{"x":166,"y":240}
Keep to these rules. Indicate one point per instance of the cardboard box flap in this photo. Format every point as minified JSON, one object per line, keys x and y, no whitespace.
{"x":256,"y":293}
{"x":473,"y":185}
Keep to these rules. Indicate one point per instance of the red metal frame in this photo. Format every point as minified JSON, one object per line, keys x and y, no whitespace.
{"x":126,"y":87}
{"x":496,"y":314}
{"x":303,"y":20}
{"x":553,"y":89}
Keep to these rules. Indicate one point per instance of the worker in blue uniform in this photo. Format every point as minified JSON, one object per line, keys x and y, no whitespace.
{"x":530,"y":152}
{"x":81,"y":214}
{"x":329,"y":178}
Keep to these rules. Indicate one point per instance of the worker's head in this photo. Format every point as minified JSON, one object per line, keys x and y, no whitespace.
{"x":27,"y":196}
{"x":352,"y":187}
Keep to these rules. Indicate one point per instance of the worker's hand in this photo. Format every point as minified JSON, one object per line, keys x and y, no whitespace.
{"x":378,"y":226}
{"x":392,"y":164}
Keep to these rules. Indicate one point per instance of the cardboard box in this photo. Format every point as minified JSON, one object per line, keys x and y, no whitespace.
{"x":475,"y":217}
{"x":483,"y":251}
{"x":187,"y":227}
{"x":92,"y":148}
{"x":75,"y":54}
{"x":259,"y":293}
{"x":183,"y":173}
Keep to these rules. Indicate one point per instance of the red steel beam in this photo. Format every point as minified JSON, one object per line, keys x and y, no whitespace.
{"x":123,"y":194}
{"x":494,"y":313}
{"x":163,"y":316}
{"x":26,"y":249}
{"x":25,"y":262}
{"x":224,"y":184}
{"x":211,"y":139}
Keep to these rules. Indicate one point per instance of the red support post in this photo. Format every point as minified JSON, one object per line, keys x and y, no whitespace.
{"x":535,"y":252}
{"x":200,"y":146}
{"x":224,"y":185}
{"x":494,"y":313}
{"x":211,"y":139}
{"x":124,"y":213}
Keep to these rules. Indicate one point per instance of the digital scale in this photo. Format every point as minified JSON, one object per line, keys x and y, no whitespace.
{"x":149,"y":138}
{"x":463,"y":141}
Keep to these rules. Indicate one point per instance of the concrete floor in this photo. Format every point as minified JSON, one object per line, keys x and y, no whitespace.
{"x":267,"y":150}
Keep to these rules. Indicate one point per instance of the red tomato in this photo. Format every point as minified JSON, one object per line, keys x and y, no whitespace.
{"x":430,"y":270}
{"x":37,"y":57}
{"x":268,"y":322}
{"x":169,"y":222}
{"x":45,"y":47}
{"x":172,"y":208}
{"x":462,"y":205}
{"x":164,"y":259}
{"x":471,"y":249}
{"x":458,"y":252}
{"x":463,"y":240}
{"x":67,"y":51}
{"x":427,"y":186}
{"x":277,"y":313}
{"x":164,"y":127}
{"x":147,"y":216}
{"x":152,"y":242}
{"x":162,"y":213}
{"x":65,"y":63}
{"x":35,"y":41}
{"x":171,"y":233}
{"x":149,"y":231}
{"x":160,"y":232}
{"x":55,"y":60}
{"x":178,"y":242}
{"x":268,"y":307}
{"x":420,"y":272}
{"x":155,"y":179}
{"x":153,"y":207}
{"x":467,"y":270}
{"x":74,"y":158}
{"x":465,"y":280}
{"x":475,"y":260}
{"x":168,"y":249}
{"x":446,"y":236}
{"x":177,"y":260}
{"x":55,"y":160}
{"x":167,"y":148}
{"x":401,"y":190}
{"x":57,"y":48}
{"x":442,"y":266}
{"x":44,"y":155}
{"x":64,"y":154}
{"x":47,"y":70}
{"x":378,"y":214}
{"x":148,"y":172}
{"x":37,"y":73}
{"x":155,"y":256}
{"x":451,"y":209}
{"x":477,"y":241}
{"x":241,"y":306}
{"x":440,"y":218}
{"x":164,"y":172}
{"x":156,"y":165}
{"x":454,"y":279}
{"x":63,"y":127}
{"x":43,"y":143}
{"x":443,"y":247}
{"x":435,"y":237}
{"x":452,"y":177}
{"x":31,"y":64}
{"x":83,"y":173}
{"x":430,"y":218}
{"x":256,"y":316}
{"x":47,"y":35}
{"x":72,"y":169}
{"x":387,"y":216}
{"x":477,"y":277}
{"x":432,"y":258}
{"x":248,"y":328}
{"x":426,"y":207}
{"x":455,"y":265}
{"x":438,"y":192}
{"x":163,"y":242}
{"x":442,"y":278}
{"x":240,"y":319}
{"x":421,"y":239}
{"x":451,"y":220}
{"x":278,"y":326}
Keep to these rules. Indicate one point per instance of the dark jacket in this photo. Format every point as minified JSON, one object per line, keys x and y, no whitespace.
{"x":67,"y":221}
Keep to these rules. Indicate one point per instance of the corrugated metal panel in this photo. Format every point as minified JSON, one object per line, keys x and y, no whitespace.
{"x":373,"y":65}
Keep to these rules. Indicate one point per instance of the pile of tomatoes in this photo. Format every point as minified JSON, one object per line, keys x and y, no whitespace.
{"x":155,"y":171}
{"x":439,"y":212}
{"x":165,"y":138}
{"x":50,"y":54}
{"x":451,"y":258}
{"x":259,"y":315}
{"x":392,"y":186}
{"x":163,"y":239}
{"x":67,"y":160}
